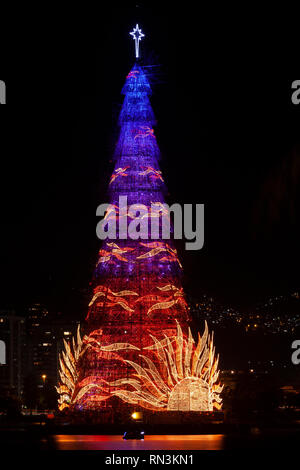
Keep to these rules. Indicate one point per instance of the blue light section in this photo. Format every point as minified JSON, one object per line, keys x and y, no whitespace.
{"x":138,"y":177}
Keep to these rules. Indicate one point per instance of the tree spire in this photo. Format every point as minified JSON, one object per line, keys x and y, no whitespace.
{"x":137,"y":35}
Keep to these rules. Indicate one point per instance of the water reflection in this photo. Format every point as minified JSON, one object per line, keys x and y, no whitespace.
{"x":151,"y":442}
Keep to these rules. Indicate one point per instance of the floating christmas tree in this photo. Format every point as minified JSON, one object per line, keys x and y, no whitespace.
{"x":137,"y":348}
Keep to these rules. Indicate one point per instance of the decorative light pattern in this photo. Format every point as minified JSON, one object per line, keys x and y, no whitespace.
{"x":118,"y":172}
{"x":116,"y":252}
{"x":180,"y":376}
{"x":137,"y":36}
{"x":117,"y":298}
{"x":155,"y":210}
{"x":187,"y":377}
{"x":132,"y":74}
{"x":172,"y":288}
{"x":103,"y":290}
{"x":144,"y":131}
{"x":164,"y":305}
{"x":155,"y":174}
{"x":68,"y":372}
{"x":158,"y":248}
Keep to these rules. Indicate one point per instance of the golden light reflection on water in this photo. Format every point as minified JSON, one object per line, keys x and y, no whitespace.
{"x":151,"y":442}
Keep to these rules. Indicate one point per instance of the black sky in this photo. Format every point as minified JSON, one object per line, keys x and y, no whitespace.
{"x":227,"y":129}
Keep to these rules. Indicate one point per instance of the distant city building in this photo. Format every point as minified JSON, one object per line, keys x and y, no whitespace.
{"x":30,"y":347}
{"x":45,"y":333}
{"x":12,"y":352}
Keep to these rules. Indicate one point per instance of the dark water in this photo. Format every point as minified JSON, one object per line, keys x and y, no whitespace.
{"x":154,"y":442}
{"x":34,"y":440}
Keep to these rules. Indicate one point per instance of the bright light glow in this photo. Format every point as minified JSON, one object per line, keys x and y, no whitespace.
{"x":137,"y":36}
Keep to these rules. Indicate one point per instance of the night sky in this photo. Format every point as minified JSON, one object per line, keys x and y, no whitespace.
{"x":227,"y":130}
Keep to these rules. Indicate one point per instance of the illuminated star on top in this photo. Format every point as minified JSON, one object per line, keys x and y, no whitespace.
{"x":137,"y":36}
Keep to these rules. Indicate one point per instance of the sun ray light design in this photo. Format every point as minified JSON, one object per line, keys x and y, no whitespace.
{"x":177,"y":374}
